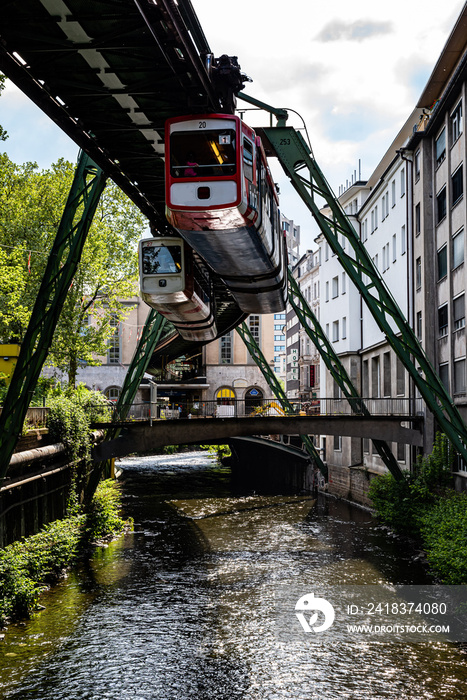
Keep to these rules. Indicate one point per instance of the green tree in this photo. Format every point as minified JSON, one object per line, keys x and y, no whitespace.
{"x":3,"y":133}
{"x":30,"y":211}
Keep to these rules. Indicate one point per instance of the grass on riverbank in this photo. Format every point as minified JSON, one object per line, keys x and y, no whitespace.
{"x":425,"y":507}
{"x":28,"y":566}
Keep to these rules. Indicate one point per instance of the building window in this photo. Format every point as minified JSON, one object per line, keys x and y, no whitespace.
{"x":344,"y":327}
{"x":458,"y":249}
{"x":400,"y":377}
{"x":441,"y":205}
{"x":440,"y":145}
{"x":279,"y":348}
{"x":394,"y":248}
{"x":443,"y":372}
{"x":326,"y":295}
{"x":337,"y":443}
{"x":375,"y":377}
{"x":417,"y":219}
{"x":458,"y":312}
{"x":326,"y":251}
{"x":226,"y":349}
{"x":443,"y":321}
{"x":457,"y":185}
{"x":343,"y":283}
{"x":113,"y":356}
{"x":335,"y":331}
{"x":365,"y":230}
{"x":418,"y":273}
{"x":402,"y":182}
{"x":403,"y":240}
{"x":387,"y":374}
{"x":456,"y":123}
{"x":225,"y":396}
{"x":279,"y":317}
{"x":393,"y":193}
{"x":417,"y":164}
{"x":400,"y":452}
{"x":459,"y":376}
{"x":279,"y":338}
{"x":335,"y":287}
{"x":254,"y":326}
{"x":365,"y":379}
{"x":419,"y":325}
{"x":113,"y":393}
{"x":442,"y":257}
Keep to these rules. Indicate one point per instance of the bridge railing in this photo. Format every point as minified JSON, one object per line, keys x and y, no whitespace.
{"x":167,"y":410}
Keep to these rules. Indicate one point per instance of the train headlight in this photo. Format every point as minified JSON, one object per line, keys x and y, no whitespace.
{"x":204,"y":192}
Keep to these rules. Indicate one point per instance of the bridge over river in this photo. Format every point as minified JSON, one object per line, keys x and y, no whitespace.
{"x":142,"y":437}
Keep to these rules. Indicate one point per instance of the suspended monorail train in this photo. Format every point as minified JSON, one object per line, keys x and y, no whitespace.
{"x":221,"y":198}
{"x":178,"y":286}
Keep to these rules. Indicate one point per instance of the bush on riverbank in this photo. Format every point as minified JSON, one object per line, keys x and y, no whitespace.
{"x":29,"y":565}
{"x":423,"y":506}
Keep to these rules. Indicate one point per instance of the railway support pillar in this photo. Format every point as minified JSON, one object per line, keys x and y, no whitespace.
{"x":152,"y":331}
{"x":277,"y":390}
{"x":88,"y":185}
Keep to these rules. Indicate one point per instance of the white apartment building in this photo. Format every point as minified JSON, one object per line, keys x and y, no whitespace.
{"x":411,"y":216}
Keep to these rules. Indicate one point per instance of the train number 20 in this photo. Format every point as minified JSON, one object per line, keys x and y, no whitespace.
{"x":202,"y":125}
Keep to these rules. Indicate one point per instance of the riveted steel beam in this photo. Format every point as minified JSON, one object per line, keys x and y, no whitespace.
{"x":332,"y":361}
{"x":276,"y":388}
{"x":298,"y":163}
{"x":88,"y":184}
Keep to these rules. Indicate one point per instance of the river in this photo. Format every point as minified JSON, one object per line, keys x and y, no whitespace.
{"x":183,"y":607}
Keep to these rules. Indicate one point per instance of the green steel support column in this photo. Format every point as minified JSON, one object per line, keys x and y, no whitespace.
{"x":296,"y":160}
{"x":276,"y":388}
{"x":336,"y":368}
{"x":155,"y":324}
{"x":87,"y":187}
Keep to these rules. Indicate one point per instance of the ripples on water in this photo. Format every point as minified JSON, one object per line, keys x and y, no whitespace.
{"x":183,"y":609}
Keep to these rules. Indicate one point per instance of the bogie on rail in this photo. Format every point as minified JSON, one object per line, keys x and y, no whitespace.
{"x":178,"y":286}
{"x":221,"y":197}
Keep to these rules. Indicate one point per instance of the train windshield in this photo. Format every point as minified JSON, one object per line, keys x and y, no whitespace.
{"x":161,"y":260}
{"x":202,"y":153}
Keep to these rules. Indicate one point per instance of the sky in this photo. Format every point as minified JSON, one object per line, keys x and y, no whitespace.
{"x":352,"y":70}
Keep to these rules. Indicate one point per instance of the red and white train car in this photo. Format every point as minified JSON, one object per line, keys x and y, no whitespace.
{"x":172,"y":282}
{"x":221,"y":197}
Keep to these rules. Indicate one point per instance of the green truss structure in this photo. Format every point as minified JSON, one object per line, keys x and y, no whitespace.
{"x":152,"y":332}
{"x":278,"y":391}
{"x":88,"y":185}
{"x":314,"y":331}
{"x":298,"y":163}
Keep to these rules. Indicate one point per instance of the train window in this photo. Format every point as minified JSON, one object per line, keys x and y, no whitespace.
{"x":248,"y":159}
{"x":161,"y":260}
{"x":202,"y":153}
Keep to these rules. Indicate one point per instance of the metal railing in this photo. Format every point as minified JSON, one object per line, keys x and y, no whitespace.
{"x":166,"y":410}
{"x":143,"y":410}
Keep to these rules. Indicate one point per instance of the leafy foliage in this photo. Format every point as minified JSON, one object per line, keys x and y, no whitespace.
{"x":103,"y":515}
{"x":423,"y":506}
{"x":27,"y":566}
{"x":70,"y":417}
{"x":31,"y":207}
{"x":444,"y":531}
